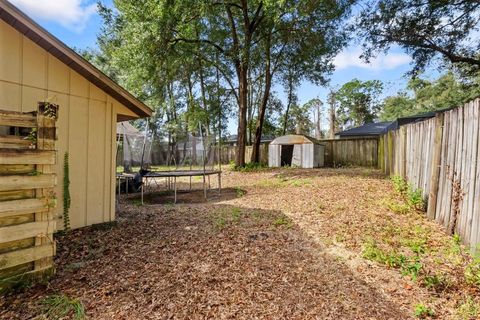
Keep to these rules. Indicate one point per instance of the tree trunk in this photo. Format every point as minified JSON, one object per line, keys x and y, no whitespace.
{"x":318,"y":126}
{"x":289,"y":102}
{"x":332,"y":121}
{"x":242,"y":117}
{"x":263,"y":107}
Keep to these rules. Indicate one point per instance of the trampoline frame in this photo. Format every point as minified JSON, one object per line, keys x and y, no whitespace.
{"x":182,"y":173}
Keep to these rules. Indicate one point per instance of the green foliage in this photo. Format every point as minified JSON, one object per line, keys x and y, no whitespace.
{"x":372,"y":252}
{"x":60,"y":306}
{"x":434,"y":281}
{"x":185,"y":57}
{"x":32,"y":136}
{"x":412,"y":268}
{"x":413,"y":197}
{"x":472,"y":272}
{"x":399,"y":184}
{"x":423,"y":96}
{"x":250,"y":167}
{"x":422,"y":311}
{"x":239,"y":192}
{"x":425,"y":29}
{"x":283,"y":221}
{"x":358,"y":102}
{"x":66,"y":192}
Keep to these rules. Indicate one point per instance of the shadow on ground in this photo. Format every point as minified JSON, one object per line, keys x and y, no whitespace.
{"x":202,"y":261}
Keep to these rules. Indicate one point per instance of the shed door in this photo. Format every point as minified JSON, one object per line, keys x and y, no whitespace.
{"x":297,"y":155}
{"x":286,"y":155}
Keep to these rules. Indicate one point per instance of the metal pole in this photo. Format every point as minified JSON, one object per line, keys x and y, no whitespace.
{"x":175,"y":187}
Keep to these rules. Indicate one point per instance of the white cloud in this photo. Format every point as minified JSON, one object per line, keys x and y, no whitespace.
{"x":350,"y":57}
{"x":72,"y":14}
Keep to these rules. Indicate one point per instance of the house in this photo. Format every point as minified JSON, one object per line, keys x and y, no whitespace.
{"x":35,"y":66}
{"x":296,"y":150}
{"x":368,"y":130}
{"x":376,"y":129}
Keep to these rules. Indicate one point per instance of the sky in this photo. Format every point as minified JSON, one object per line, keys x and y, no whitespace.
{"x":76,"y":23}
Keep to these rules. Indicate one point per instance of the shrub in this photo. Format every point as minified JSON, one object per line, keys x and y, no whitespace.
{"x":399,"y":184}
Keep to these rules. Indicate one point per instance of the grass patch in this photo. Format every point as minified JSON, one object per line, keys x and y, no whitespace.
{"x":469,"y":309}
{"x":240,"y":192}
{"x":422,"y":311}
{"x":472,"y":272}
{"x":137,"y":202}
{"x":283,"y":221}
{"x":60,"y":306}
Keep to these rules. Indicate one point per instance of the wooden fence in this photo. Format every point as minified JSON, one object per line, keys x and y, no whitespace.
{"x":228,"y":153}
{"x":351,"y":152}
{"x":27,"y":199}
{"x":441,"y":157}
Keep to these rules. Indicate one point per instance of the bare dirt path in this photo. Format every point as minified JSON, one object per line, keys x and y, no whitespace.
{"x":278,"y":244}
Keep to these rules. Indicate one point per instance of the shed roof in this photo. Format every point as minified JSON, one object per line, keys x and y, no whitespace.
{"x":25,"y":25}
{"x":368,"y":129}
{"x":295,"y":139}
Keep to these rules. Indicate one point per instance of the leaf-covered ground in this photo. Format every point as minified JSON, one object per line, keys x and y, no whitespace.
{"x":277,"y":244}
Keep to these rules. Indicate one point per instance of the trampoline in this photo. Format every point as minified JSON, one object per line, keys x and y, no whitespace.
{"x":173,"y":175}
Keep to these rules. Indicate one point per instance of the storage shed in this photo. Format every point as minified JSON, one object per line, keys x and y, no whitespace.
{"x":296,"y":150}
{"x":35,"y":66}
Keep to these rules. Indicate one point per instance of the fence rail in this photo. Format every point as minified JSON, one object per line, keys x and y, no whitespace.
{"x":441,"y":156}
{"x":27,"y":198}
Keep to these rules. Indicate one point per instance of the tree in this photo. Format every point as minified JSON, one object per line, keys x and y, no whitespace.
{"x":426,"y":29}
{"x":316,"y":105}
{"x":358,"y":102}
{"x":332,"y":114}
{"x":423,"y":95}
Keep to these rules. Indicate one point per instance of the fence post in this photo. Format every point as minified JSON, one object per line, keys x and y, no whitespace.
{"x":436,"y":161}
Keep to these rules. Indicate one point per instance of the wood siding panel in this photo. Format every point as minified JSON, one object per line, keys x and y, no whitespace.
{"x":96,"y":155}
{"x":78,"y":149}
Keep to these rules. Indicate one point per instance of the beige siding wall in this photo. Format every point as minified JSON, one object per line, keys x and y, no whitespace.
{"x":86,"y":125}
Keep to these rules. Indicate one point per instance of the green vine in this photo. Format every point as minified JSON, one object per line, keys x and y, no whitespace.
{"x":66,"y":193}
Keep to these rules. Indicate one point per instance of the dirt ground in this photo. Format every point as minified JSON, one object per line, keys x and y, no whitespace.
{"x":276,"y":244}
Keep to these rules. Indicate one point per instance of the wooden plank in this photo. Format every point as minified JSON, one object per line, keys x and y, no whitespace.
{"x":18,"y":219}
{"x":440,"y":212}
{"x":27,"y":182}
{"x":8,"y":169}
{"x":26,"y":230}
{"x":16,"y":245}
{"x":15,"y":142}
{"x":14,"y":258}
{"x":475,"y":232}
{"x":14,"y":156}
{"x":16,"y":194}
{"x":15,"y":207}
{"x":17,"y":119}
{"x":469,"y":174}
{"x":436,"y":163}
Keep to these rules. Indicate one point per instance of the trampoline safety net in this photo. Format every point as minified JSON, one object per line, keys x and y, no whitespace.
{"x":192,"y":151}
